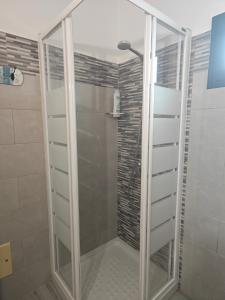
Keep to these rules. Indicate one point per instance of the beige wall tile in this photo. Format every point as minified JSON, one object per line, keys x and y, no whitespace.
{"x":21,"y":159}
{"x":6,"y":127}
{"x":27,"y":126}
{"x":221,"y":239}
{"x":24,"y":222}
{"x":39,"y":272}
{"x":17,"y":255}
{"x":15,"y":286}
{"x":31,"y":188}
{"x":23,"y":205}
{"x":24,"y":281}
{"x":36,"y":247}
{"x":26,"y":96}
{"x":8,"y":196}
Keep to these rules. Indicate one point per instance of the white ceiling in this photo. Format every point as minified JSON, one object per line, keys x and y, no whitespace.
{"x":116,"y":20}
{"x":195,"y":14}
{"x":29,"y":17}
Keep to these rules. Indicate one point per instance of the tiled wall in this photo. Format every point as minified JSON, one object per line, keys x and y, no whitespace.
{"x":129,"y":151}
{"x":128,"y":78}
{"x":97,"y":145}
{"x":203,"y":267}
{"x":129,"y":138}
{"x":97,"y":165}
{"x":19,"y":52}
{"x":23,"y":207}
{"x":88,"y":69}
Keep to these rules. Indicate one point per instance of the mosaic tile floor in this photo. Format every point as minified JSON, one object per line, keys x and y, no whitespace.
{"x":112,"y":272}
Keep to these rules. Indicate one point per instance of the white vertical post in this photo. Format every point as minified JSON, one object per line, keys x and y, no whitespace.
{"x":144,"y":156}
{"x":170,"y":257}
{"x":48,"y":68}
{"x":151,"y":130}
{"x":72,"y":154}
{"x":178,"y":62}
{"x":170,"y":250}
{"x":46,"y":152}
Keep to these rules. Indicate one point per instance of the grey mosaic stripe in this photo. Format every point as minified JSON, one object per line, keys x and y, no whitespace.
{"x":167,"y":66}
{"x":19,"y":52}
{"x":200,"y":51}
{"x":95,"y":71}
{"x":129,"y":141}
{"x":87,"y":69}
{"x":129,"y":151}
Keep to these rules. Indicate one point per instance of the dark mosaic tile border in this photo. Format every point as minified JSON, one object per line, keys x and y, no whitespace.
{"x":129,"y":140}
{"x":129,"y":151}
{"x":87,"y":69}
{"x":19,"y":52}
{"x":95,"y":71}
{"x":200,"y":51}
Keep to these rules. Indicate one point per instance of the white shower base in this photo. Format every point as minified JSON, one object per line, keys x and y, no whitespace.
{"x":111,"y":272}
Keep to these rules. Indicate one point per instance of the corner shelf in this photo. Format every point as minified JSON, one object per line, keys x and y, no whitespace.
{"x":115,"y":115}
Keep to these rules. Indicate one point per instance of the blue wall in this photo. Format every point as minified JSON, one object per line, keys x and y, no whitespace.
{"x":216,"y":75}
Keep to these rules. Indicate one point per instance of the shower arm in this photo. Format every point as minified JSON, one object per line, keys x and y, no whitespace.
{"x":137,"y":53}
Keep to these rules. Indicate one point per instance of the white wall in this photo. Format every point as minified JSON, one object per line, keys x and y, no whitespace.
{"x":203,"y":273}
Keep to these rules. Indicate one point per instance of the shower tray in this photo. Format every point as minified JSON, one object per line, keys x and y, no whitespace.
{"x":111,"y":272}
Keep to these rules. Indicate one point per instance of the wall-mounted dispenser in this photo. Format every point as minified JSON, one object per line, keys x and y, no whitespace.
{"x":11,"y":76}
{"x":116,"y":113}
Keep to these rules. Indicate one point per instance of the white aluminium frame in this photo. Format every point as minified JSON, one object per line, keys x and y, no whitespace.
{"x":152,"y":16}
{"x":69,"y":78}
{"x":173,"y":282}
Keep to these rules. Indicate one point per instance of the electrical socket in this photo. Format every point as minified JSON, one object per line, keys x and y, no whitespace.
{"x":5,"y":260}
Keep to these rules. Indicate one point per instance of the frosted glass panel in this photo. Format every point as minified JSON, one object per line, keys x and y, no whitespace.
{"x":165,"y":131}
{"x":60,"y":183}
{"x":61,"y":208}
{"x":57,"y":135}
{"x":167,"y":101}
{"x":162,"y":211}
{"x":162,"y":235}
{"x":163,"y":185}
{"x":57,"y":130}
{"x":56,"y":103}
{"x":62,"y":232}
{"x":164,"y":159}
{"x":59,"y":157}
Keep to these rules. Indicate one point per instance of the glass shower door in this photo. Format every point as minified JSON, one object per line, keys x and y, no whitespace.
{"x":57,"y":144}
{"x":166,"y":159}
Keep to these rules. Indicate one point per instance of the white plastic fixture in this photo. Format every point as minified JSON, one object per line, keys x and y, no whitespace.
{"x":151,"y":161}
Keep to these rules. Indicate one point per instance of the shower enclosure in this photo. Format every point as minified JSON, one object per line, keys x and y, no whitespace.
{"x":114,"y":85}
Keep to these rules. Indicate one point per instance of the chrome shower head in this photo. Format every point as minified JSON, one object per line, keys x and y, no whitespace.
{"x":125,"y":45}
